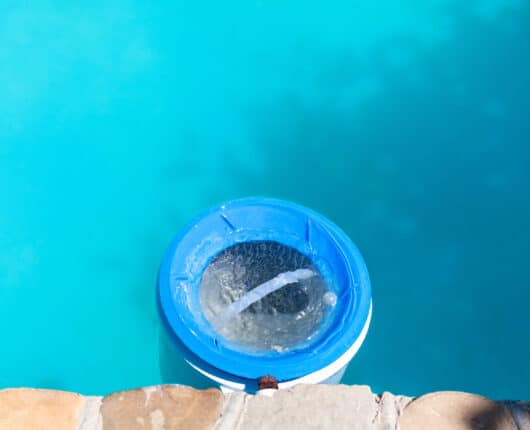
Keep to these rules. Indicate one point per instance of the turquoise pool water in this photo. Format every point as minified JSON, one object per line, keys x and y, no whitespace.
{"x":406,"y":124}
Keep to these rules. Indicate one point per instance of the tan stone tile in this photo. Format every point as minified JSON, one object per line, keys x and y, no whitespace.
{"x":29,"y":409}
{"x":162,"y":408}
{"x":312,"y":407}
{"x":455,"y":411}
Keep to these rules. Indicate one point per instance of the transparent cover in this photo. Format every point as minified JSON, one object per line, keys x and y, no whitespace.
{"x":264,"y":296}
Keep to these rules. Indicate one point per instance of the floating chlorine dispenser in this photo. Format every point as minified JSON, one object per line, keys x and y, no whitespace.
{"x":260,"y":287}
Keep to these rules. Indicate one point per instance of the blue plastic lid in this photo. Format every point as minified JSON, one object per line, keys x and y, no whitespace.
{"x":250,"y":220}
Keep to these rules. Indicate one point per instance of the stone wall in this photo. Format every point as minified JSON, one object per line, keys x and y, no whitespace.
{"x":303,"y":407}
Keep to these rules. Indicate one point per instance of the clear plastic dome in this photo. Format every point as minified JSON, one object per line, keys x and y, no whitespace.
{"x":264,"y":296}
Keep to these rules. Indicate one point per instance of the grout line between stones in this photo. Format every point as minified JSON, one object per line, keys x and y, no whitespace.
{"x":90,"y":416}
{"x":234,"y":408}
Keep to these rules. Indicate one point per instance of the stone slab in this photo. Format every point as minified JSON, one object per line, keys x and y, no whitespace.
{"x":338,"y":407}
{"x":455,"y":411}
{"x":311,"y":407}
{"x":31,"y":409}
{"x":162,"y":408}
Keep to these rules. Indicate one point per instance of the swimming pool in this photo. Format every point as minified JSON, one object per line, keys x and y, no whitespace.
{"x":408,"y":126}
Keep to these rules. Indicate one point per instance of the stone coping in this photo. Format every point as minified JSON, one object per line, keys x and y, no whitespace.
{"x":173,"y":407}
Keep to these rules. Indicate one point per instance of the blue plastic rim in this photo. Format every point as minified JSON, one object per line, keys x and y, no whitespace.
{"x":261,"y":219}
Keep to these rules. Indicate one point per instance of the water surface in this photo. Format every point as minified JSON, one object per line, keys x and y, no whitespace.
{"x":407,"y":124}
